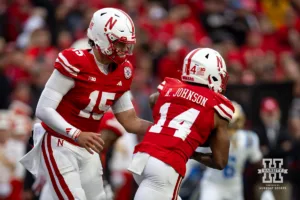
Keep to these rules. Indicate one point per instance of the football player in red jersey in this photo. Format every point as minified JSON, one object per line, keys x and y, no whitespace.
{"x":186,"y":114}
{"x":84,"y":85}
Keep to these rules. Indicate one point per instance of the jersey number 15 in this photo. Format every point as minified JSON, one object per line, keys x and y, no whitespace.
{"x":88,"y":111}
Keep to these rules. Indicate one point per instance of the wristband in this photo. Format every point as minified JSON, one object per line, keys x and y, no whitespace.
{"x":76,"y":134}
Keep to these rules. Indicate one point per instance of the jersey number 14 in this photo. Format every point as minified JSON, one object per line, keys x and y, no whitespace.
{"x":182,"y":122}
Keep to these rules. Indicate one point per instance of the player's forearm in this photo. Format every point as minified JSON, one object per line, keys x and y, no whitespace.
{"x":132,"y":123}
{"x":144,"y":125}
{"x":46,"y":111}
{"x":138,"y":126}
{"x":206,"y":159}
{"x":56,"y":87}
{"x":152,"y":99}
{"x":56,"y":122}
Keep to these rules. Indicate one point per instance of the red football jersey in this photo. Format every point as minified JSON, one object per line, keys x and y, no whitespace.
{"x":183,"y":119}
{"x":93,"y":93}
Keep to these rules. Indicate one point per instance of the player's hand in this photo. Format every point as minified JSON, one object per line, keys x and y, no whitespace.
{"x":90,"y":141}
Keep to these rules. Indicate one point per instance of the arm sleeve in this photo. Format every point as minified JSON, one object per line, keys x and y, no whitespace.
{"x":255,"y":154}
{"x":123,"y":103}
{"x":50,"y":99}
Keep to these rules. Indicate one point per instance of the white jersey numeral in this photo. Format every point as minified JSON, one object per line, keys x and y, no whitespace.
{"x":156,"y":128}
{"x":86,"y":113}
{"x":182,"y":122}
{"x":78,"y":52}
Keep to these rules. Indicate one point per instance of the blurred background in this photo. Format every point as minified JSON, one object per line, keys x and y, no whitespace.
{"x":259,"y":40}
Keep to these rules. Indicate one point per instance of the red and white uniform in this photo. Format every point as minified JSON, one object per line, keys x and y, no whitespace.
{"x":75,"y":97}
{"x":183,"y":119}
{"x":108,"y":122}
{"x":93,"y":92}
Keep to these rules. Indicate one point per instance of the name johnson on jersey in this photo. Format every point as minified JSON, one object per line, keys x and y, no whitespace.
{"x":189,"y":95}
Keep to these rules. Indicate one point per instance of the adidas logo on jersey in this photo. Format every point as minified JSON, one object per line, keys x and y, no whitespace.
{"x":120,"y":83}
{"x":68,"y":130}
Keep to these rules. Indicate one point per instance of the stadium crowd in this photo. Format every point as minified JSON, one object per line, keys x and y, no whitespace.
{"x":259,"y":40}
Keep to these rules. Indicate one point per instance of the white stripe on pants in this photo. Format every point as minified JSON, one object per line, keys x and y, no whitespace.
{"x":71,"y":171}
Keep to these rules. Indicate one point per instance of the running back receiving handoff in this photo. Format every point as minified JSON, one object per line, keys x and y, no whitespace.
{"x":186,"y":113}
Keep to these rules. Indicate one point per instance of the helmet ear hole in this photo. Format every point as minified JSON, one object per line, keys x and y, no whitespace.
{"x":214,"y":78}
